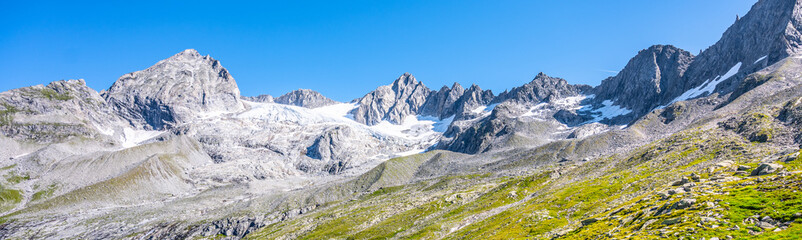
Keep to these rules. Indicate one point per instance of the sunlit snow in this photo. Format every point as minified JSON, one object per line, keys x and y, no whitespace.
{"x":132,"y":137}
{"x":484,"y":108}
{"x":708,"y":86}
{"x":761,"y":59}
{"x":608,"y":111}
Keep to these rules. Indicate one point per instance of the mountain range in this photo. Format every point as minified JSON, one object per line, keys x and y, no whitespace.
{"x":674,"y":145}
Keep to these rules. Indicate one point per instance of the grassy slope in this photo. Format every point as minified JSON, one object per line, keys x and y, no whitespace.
{"x":618,"y":191}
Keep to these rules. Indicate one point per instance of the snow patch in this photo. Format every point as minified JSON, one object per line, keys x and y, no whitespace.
{"x":132,"y":137}
{"x":707,"y":87}
{"x":414,"y":127}
{"x":104,"y":131}
{"x":544,"y":110}
{"x":441,"y":126}
{"x":608,"y":110}
{"x":341,"y":110}
{"x":760,"y":59}
{"x":484,"y":108}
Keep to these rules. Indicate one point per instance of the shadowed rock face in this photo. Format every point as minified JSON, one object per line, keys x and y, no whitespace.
{"x":305,"y":98}
{"x":480,"y":136}
{"x":441,"y":103}
{"x":174,"y":91}
{"x":643,"y":82}
{"x":657,"y":76}
{"x":770,"y":29}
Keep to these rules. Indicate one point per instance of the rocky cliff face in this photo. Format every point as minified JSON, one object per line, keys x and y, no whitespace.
{"x":767,"y":33}
{"x":305,"y":98}
{"x":643,"y":83}
{"x":57,"y":112}
{"x":405,"y":97}
{"x":473,"y":98}
{"x":440,"y":103}
{"x":174,"y":90}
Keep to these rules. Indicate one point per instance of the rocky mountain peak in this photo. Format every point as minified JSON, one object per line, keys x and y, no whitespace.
{"x":305,"y":98}
{"x":769,"y":32}
{"x":541,"y":88}
{"x":456,"y":87}
{"x":404,"y":81}
{"x":174,"y":90}
{"x":187,"y":53}
{"x":404,"y":97}
{"x":641,"y":85}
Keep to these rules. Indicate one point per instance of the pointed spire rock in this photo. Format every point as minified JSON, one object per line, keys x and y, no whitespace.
{"x":174,"y":90}
{"x":770,"y":29}
{"x":641,"y":85}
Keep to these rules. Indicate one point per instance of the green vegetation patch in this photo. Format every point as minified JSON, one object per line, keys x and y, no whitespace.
{"x":7,"y":114}
{"x":9,"y":198}
{"x":14,"y":178}
{"x":44,"y":194}
{"x":53,"y":95}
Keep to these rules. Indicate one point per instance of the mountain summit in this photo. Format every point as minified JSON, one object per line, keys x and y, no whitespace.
{"x":305,"y":98}
{"x":644,"y":82}
{"x":175,"y":90}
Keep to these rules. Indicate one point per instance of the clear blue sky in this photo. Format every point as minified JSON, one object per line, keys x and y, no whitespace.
{"x":344,"y":49}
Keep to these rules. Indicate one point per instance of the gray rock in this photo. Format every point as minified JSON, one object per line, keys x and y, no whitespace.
{"x":331,"y":148}
{"x":766,"y":168}
{"x":589,"y":221}
{"x":174,"y":90}
{"x":305,"y":98}
{"x":542,"y":88}
{"x":53,"y":113}
{"x":441,"y":103}
{"x":571,"y":118}
{"x":405,"y":97}
{"x":480,"y":137}
{"x":472,"y":98}
{"x":792,"y":157}
{"x":685,"y":203}
{"x":770,"y":29}
{"x":672,"y":221}
{"x":264,"y":98}
{"x":645,"y":80}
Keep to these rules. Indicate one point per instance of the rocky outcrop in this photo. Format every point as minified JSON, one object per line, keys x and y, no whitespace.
{"x":332,"y":149}
{"x":542,"y":88}
{"x":472,"y":98}
{"x":174,"y":90}
{"x":769,"y":32}
{"x":264,"y":98}
{"x":53,"y":113}
{"x":479,"y":137}
{"x":476,"y":131}
{"x":305,"y":98}
{"x":441,"y":103}
{"x":405,"y":97}
{"x":645,"y":80}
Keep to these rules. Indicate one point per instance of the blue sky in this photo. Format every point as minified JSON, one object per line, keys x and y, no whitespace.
{"x":345,"y":49}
